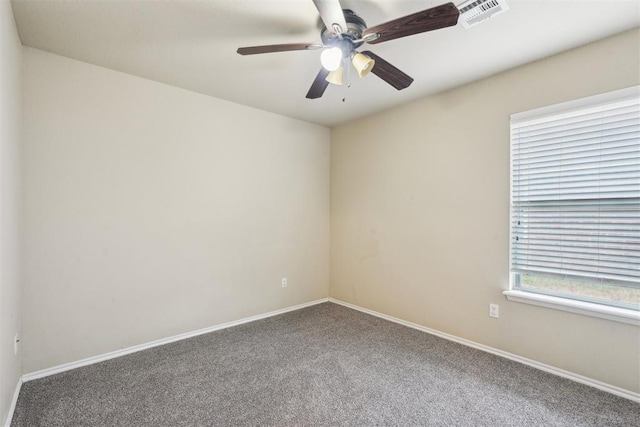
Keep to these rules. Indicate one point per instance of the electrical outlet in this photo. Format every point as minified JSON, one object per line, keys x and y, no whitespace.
{"x":494,"y":310}
{"x":16,"y":340}
{"x":285,"y":282}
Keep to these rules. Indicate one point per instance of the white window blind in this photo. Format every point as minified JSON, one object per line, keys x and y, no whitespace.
{"x":575,"y":195}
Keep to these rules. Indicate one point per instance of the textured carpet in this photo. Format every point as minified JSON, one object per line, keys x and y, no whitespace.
{"x":322,"y":365}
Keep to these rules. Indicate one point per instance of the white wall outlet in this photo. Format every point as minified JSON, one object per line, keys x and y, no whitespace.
{"x":494,"y":310}
{"x":16,"y":341}
{"x":285,"y":282}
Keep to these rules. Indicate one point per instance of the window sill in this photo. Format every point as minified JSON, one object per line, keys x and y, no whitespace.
{"x":586,"y":308}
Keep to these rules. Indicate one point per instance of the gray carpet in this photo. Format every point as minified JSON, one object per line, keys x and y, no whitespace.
{"x":322,"y":365}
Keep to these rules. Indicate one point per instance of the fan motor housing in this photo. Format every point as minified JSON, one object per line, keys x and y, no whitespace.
{"x":354,"y":30}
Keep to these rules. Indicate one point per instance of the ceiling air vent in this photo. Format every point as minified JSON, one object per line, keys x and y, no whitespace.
{"x":474,"y":12}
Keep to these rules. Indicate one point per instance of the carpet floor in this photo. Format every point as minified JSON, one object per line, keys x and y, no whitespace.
{"x":322,"y":365}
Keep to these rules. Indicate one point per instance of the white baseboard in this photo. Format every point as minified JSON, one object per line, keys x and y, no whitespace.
{"x":112,"y":355}
{"x":14,"y":401}
{"x":529,"y":362}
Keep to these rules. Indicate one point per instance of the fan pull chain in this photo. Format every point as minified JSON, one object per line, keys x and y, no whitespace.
{"x":347,"y":83}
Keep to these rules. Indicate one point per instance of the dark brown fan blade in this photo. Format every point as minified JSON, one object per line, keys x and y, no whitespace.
{"x":319,"y":85}
{"x":388,"y":72}
{"x":435,"y":18}
{"x":253,"y":50}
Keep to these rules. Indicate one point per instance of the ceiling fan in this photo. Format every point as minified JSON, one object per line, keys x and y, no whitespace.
{"x":344,"y":32}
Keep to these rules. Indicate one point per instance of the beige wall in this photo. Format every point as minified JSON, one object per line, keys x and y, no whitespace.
{"x":420,"y":206}
{"x":10,"y":112}
{"x":152,"y":211}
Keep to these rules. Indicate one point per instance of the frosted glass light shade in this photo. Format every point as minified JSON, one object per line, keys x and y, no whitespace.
{"x":362,"y":63}
{"x":335,"y":77}
{"x":331,"y":58}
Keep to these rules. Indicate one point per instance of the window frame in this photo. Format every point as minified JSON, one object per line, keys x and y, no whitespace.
{"x":542,"y":299}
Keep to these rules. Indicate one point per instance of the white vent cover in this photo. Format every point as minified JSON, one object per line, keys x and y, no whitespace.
{"x":473,"y":12}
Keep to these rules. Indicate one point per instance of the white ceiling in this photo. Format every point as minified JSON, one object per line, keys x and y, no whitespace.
{"x":192,"y":45}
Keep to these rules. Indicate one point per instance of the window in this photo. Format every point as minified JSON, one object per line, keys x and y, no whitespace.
{"x":575,"y":201}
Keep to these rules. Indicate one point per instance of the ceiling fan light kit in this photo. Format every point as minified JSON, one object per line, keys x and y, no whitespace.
{"x":344,"y":32}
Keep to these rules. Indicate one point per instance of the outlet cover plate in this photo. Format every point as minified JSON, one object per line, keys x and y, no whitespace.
{"x":494,"y":310}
